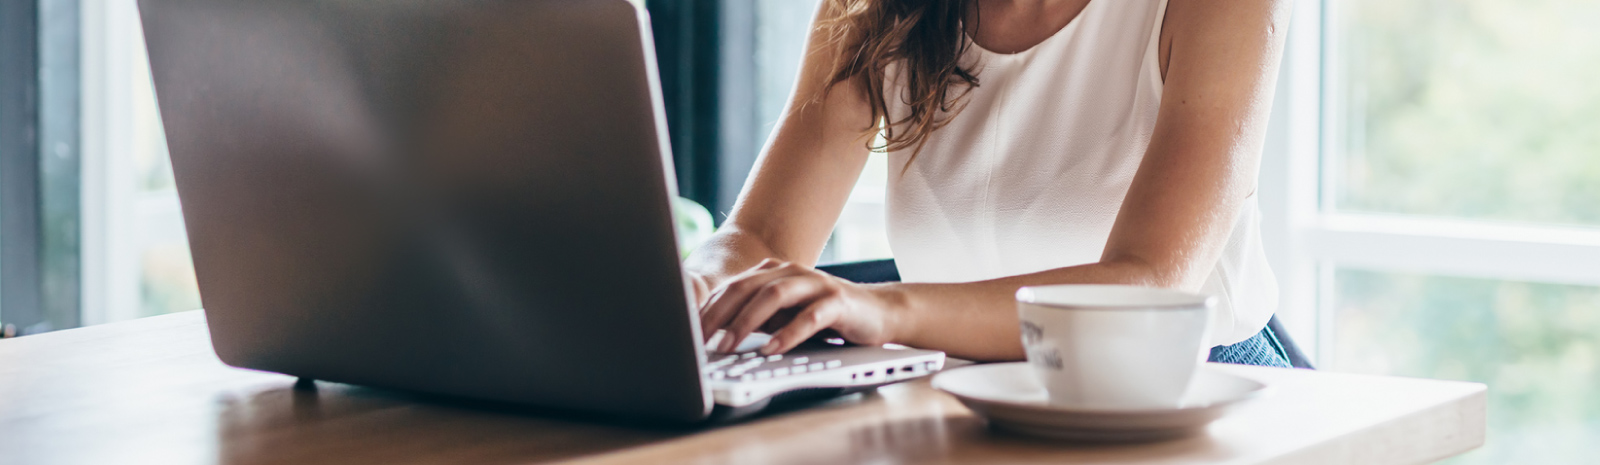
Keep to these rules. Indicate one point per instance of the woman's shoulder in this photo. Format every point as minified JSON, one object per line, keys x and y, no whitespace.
{"x":1187,"y":16}
{"x":1240,"y":22}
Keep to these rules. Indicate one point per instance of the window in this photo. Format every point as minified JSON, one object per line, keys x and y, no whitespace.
{"x":135,"y":253}
{"x":1481,"y":109}
{"x":1535,"y":345}
{"x":1428,"y":189}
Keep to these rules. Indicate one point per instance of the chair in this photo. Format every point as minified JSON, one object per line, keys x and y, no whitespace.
{"x":884,"y":271}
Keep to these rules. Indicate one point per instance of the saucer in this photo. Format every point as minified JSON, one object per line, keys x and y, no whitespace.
{"x":1012,"y":399}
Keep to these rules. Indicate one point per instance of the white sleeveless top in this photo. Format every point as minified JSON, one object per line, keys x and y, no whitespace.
{"x":1030,"y":175}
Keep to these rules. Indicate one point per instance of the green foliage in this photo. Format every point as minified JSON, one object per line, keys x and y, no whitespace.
{"x":1535,"y":345}
{"x":1484,"y":109}
{"x":695,"y":224}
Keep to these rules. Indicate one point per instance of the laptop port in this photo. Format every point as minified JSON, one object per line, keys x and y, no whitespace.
{"x":888,"y":372}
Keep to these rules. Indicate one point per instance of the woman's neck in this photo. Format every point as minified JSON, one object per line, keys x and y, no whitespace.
{"x":1013,"y":26}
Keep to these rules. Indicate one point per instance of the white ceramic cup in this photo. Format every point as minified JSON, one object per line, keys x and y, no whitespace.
{"x":1114,"y":347}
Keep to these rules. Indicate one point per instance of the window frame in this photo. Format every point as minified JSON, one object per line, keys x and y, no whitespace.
{"x":111,"y":233}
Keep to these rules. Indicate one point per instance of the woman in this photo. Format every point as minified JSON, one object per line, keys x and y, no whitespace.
{"x":1030,"y":142}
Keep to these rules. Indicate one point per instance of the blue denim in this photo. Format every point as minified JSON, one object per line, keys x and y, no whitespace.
{"x":1261,"y":349}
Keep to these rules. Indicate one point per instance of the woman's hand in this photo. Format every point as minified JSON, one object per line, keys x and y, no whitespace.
{"x":794,"y":302}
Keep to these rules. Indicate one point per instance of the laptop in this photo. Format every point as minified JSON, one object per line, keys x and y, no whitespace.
{"x":467,"y":198}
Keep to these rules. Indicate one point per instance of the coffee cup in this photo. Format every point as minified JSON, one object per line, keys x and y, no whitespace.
{"x":1114,"y":347}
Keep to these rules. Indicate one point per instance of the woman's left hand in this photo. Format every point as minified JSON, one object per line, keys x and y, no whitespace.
{"x":794,"y":302}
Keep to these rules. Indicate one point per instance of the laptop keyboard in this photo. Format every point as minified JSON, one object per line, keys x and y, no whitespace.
{"x":751,"y":366}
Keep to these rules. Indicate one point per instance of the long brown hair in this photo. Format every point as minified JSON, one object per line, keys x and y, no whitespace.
{"x":925,"y":39}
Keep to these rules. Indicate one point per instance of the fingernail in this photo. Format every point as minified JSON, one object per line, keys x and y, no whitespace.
{"x":772,"y":346}
{"x":727,"y":344}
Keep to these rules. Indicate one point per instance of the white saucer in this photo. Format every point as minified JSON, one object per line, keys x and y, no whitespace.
{"x":1012,"y":399}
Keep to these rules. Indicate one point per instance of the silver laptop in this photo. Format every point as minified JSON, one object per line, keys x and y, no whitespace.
{"x":457,"y":197}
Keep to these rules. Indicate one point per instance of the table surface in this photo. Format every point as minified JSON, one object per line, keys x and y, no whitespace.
{"x":152,"y":391}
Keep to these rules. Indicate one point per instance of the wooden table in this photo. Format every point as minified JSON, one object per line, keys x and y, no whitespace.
{"x":151,"y":391}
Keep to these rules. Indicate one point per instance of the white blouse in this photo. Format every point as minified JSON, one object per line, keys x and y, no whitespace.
{"x":1031,"y":174}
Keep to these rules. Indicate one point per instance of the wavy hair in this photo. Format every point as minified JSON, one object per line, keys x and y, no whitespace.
{"x":925,"y":39}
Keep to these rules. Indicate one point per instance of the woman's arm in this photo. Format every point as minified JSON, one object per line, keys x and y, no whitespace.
{"x":802,"y":179}
{"x":1219,"y":60}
